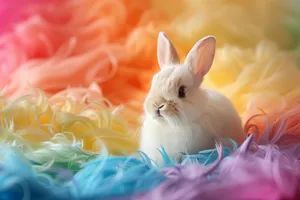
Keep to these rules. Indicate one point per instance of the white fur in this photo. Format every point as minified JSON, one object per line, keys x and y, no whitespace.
{"x":203,"y":117}
{"x":217,"y":119}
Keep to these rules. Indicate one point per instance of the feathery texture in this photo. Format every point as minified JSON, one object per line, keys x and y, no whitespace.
{"x":92,"y":61}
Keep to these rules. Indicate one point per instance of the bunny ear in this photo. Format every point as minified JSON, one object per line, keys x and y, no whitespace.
{"x":201,"y":56}
{"x":166,"y":53}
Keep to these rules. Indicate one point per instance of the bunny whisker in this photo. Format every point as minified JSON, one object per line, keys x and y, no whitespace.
{"x":181,"y":112}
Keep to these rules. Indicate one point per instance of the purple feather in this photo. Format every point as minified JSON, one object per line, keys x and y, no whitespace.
{"x":263,"y":173}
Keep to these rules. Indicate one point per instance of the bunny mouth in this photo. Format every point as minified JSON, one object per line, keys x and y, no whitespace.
{"x":158,"y":114}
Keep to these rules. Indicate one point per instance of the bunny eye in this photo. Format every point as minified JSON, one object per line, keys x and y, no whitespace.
{"x":181,"y":92}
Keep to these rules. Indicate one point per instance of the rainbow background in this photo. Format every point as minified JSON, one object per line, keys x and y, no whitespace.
{"x":74,"y":74}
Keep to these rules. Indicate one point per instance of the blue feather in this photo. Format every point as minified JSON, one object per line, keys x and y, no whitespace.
{"x":104,"y":177}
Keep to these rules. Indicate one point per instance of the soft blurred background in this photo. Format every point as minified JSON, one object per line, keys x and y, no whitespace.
{"x":79,"y":58}
{"x":74,"y":75}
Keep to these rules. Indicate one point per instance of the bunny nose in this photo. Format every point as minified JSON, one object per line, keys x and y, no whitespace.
{"x":162,"y":106}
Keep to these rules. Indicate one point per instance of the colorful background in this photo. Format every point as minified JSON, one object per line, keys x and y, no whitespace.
{"x":74,"y":74}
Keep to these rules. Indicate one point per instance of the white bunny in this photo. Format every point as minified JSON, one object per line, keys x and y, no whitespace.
{"x":180,"y":115}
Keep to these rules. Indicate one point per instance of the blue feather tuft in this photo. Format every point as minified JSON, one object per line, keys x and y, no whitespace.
{"x":105,"y":177}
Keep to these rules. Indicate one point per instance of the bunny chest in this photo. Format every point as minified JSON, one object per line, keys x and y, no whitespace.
{"x":189,"y":139}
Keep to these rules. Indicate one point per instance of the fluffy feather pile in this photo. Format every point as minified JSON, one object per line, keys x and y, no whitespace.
{"x":74,"y":74}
